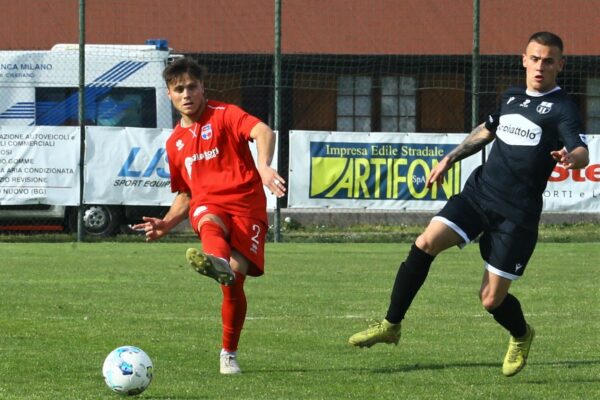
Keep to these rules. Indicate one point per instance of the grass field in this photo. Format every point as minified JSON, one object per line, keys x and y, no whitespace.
{"x":65,"y":306}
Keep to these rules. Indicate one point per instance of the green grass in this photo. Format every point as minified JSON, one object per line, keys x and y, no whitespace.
{"x":65,"y":306}
{"x":295,"y":233}
{"x":555,"y":233}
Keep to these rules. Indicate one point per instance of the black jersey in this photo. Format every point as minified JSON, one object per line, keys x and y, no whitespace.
{"x":528,"y":126}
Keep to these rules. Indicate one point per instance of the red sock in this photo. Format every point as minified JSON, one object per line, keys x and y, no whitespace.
{"x":214,"y":241}
{"x":233,"y":312}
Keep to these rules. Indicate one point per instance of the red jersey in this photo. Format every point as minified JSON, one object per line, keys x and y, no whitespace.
{"x":212,"y":161}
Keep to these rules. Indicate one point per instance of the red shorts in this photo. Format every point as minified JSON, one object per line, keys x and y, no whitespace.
{"x":247,"y":235}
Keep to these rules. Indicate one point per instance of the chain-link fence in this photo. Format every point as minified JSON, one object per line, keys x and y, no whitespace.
{"x":346,"y":65}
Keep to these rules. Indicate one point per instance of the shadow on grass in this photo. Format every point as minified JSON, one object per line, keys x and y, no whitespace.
{"x":190,"y":397}
{"x":432,"y":367}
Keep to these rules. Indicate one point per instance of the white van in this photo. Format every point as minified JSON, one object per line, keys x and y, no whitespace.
{"x":123,"y":87}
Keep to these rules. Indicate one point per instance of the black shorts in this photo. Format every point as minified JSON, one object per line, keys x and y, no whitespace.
{"x":505,"y":246}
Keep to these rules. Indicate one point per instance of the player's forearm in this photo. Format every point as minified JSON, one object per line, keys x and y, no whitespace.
{"x":178,"y":210}
{"x":477,"y":139}
{"x":580,"y":157}
{"x":265,"y":144}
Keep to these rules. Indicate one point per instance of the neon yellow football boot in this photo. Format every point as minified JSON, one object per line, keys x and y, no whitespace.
{"x":518,"y":350}
{"x":379,"y":332}
{"x":211,"y":266}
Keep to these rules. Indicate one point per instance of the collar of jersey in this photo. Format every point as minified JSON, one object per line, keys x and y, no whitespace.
{"x":538,"y":94}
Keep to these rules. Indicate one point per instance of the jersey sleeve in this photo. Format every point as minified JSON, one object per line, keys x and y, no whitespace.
{"x":493,"y":119}
{"x":570,"y":128}
{"x":240,"y":122}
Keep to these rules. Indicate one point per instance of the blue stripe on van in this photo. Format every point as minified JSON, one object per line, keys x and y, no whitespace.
{"x":49,"y":113}
{"x":20,"y":110}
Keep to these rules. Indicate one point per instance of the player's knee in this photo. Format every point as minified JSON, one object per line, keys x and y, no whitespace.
{"x":437,"y":238}
{"x":427,"y":244}
{"x":489,"y":301}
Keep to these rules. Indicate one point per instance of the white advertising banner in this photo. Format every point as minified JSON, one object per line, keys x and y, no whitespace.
{"x":372,"y":170}
{"x":129,"y":166}
{"x":576,"y":190}
{"x":126,"y":166}
{"x":387,"y":171}
{"x":39,"y":165}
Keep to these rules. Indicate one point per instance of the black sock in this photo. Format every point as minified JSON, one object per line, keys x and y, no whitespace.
{"x":510,"y":316}
{"x":410,"y":277}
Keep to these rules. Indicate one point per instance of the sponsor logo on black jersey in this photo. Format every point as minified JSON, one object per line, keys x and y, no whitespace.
{"x":515,"y":129}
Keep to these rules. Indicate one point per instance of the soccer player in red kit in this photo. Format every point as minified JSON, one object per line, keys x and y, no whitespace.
{"x":220,"y":188}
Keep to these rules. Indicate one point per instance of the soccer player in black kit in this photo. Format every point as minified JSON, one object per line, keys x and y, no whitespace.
{"x":534,"y":128}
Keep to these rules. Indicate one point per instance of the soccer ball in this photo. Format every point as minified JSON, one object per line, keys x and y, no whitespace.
{"x":127,"y":370}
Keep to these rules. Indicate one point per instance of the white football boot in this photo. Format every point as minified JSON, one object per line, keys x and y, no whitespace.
{"x":229,"y":364}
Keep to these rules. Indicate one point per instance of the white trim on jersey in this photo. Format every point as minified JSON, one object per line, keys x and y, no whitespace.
{"x":539,"y":94}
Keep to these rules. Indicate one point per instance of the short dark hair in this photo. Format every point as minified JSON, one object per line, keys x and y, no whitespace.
{"x":547,"y":39}
{"x":182,"y":66}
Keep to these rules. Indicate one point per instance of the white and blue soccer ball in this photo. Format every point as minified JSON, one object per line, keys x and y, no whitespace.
{"x":127,"y":370}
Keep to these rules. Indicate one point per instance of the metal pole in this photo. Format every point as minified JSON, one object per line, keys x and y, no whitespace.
{"x":80,"y":210}
{"x":475,"y":71}
{"x":277,"y":108}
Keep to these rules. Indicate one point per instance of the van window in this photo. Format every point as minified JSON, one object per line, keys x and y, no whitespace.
{"x":134,"y":107}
